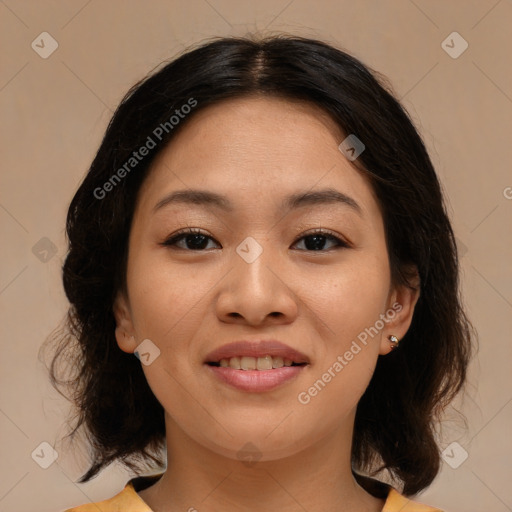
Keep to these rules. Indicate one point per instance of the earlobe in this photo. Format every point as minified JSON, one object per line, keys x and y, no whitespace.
{"x":124,"y":331}
{"x":125,"y":342}
{"x":403,"y":300}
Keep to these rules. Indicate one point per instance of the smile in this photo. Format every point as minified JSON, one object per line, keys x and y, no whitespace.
{"x":255,"y":374}
{"x":255,"y":363}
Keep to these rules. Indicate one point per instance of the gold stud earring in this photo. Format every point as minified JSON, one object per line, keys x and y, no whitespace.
{"x":394,"y":341}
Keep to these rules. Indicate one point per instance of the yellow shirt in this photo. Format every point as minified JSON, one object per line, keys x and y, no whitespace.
{"x":129,"y":501}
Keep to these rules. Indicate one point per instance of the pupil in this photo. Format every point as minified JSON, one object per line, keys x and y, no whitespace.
{"x":318,"y":242}
{"x":202,"y":241}
{"x":312,"y":242}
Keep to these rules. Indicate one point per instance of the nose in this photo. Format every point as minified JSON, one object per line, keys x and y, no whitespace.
{"x":257,"y":291}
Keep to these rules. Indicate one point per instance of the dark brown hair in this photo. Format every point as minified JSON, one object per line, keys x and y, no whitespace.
{"x":398,"y":413}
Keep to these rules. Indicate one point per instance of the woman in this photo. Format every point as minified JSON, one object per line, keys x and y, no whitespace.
{"x":262,"y":228}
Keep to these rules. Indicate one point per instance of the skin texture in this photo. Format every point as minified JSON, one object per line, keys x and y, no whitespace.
{"x":257,"y":151}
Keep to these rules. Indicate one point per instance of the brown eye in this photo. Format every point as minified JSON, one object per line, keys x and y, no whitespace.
{"x":194,"y":240}
{"x":316,"y":240}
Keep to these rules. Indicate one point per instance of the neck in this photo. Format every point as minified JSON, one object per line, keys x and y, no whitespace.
{"x":316,"y":478}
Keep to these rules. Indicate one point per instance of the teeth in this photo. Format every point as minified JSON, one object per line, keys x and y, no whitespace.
{"x":248,"y":363}
{"x":277,"y":362}
{"x":263,"y":363}
{"x":234,"y":363}
{"x":255,"y":363}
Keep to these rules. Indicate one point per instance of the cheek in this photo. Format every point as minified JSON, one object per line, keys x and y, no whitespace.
{"x":349,"y":302}
{"x":350,"y":298}
{"x":165,"y":299}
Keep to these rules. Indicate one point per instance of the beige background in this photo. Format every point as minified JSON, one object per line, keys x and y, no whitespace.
{"x":54,"y":112}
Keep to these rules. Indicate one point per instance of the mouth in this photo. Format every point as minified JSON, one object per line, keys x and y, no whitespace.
{"x":256,"y":355}
{"x":256,"y":366}
{"x":254,"y":380}
{"x":247,"y":363}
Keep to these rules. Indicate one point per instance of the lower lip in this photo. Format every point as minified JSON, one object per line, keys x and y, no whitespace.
{"x":256,"y":380}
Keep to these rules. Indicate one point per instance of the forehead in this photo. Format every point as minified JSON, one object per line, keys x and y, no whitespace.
{"x":257,"y":146}
{"x":244,"y":127}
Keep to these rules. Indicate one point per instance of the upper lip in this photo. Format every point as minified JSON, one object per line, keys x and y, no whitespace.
{"x":260,"y":348}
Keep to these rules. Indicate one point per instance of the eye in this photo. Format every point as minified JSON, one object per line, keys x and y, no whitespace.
{"x":195,"y":240}
{"x":315,"y":240}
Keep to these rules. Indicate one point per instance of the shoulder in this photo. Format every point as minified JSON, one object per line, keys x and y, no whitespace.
{"x":125,"y":501}
{"x":396,"y":502}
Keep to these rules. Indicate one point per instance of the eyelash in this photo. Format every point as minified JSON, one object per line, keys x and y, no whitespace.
{"x":172,"y":241}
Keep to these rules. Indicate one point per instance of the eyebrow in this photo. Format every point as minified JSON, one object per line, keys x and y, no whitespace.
{"x":207,"y":198}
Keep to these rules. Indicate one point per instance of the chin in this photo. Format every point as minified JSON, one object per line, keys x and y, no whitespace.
{"x":259,"y":441}
{"x":251,"y":451}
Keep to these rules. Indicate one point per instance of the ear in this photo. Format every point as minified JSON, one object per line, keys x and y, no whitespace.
{"x":401,"y":303}
{"x":125,"y":333}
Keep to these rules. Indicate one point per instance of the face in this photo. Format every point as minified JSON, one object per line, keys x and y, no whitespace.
{"x":312,"y":274}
